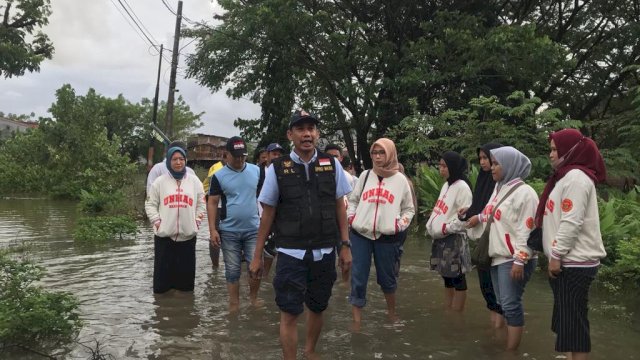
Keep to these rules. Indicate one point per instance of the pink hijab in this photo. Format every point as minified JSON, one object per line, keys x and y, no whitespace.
{"x":390,"y":167}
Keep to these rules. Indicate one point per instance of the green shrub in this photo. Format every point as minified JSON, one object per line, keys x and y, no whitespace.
{"x":101,"y":202}
{"x":31,"y":315}
{"x":428,"y":184}
{"x":95,"y":229}
{"x":620,"y":228}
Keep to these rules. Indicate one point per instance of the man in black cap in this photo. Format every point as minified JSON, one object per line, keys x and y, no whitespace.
{"x":235,"y":185}
{"x":303,"y":193}
{"x":275,"y":151}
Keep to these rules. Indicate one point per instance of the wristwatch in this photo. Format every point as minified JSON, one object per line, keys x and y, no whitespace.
{"x":346,"y":243}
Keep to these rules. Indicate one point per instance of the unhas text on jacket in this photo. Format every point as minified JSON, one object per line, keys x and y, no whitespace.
{"x":379,"y":195}
{"x":178,"y":200}
{"x":441,"y":207}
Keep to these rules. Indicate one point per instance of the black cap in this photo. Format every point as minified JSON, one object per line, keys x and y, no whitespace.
{"x":274,"y":147}
{"x":236,"y":146}
{"x":302,"y":115}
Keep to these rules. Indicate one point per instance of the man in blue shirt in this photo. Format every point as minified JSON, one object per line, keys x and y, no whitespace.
{"x":235,"y":185}
{"x":304,"y":193}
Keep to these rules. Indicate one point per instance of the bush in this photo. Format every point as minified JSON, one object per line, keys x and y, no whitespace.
{"x":30,"y":315}
{"x":620,"y":228}
{"x":94,"y":229}
{"x":98,"y":203}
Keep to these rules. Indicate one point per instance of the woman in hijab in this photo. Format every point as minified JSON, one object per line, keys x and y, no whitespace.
{"x":380,"y":210}
{"x":175,"y":206}
{"x":511,"y":210}
{"x":450,"y":249}
{"x":568,"y":213}
{"x":481,"y":194}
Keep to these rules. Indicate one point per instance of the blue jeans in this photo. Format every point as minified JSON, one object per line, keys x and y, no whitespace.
{"x":234,"y":245}
{"x":509,"y":292}
{"x":386,"y":256}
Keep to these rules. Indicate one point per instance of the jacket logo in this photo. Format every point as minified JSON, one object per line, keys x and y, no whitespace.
{"x":379,"y":192}
{"x":178,"y":200}
{"x":287,"y":163}
{"x":441,"y":207}
{"x":529,"y":222}
{"x":567,"y":205}
{"x":551,"y":205}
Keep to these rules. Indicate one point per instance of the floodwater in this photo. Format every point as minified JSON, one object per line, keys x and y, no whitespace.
{"x":121,"y":314}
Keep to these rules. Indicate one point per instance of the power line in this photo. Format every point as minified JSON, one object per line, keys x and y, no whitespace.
{"x":136,"y":23}
{"x":132,"y":26}
{"x":141,"y":23}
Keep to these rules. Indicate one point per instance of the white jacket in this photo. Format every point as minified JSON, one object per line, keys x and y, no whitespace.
{"x":444,"y":216}
{"x":383,"y":207}
{"x":571,"y":224}
{"x":512,"y":223}
{"x":176,"y":210}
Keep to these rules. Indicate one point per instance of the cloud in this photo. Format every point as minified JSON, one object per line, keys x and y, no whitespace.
{"x":97,"y":48}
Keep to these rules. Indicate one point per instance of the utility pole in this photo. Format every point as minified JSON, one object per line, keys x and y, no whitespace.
{"x":174,"y":69}
{"x":155,"y":112}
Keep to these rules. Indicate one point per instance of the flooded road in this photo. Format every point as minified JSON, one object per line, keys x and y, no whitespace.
{"x":113,"y":283}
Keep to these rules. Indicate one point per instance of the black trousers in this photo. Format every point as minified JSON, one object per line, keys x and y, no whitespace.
{"x":570,"y":320}
{"x":174,"y":266}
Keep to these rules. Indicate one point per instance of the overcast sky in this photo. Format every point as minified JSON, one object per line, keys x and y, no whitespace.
{"x":96,"y":48}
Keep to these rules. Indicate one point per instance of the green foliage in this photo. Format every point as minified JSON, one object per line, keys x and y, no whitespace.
{"x":23,"y":46}
{"x":25,"y":171}
{"x":87,"y":144}
{"x":486,"y":119}
{"x":620,"y":228}
{"x":428,"y":184}
{"x":103,"y":228}
{"x":29,"y":314}
{"x":97,"y":202}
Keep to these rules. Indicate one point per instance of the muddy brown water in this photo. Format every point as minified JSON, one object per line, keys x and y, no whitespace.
{"x":113,"y":283}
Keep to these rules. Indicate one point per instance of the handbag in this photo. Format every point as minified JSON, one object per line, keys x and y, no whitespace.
{"x":534,"y":242}
{"x":480,"y":254}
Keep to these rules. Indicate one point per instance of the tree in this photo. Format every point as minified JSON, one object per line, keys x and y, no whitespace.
{"x":23,"y":46}
{"x":361,"y":63}
{"x":513,"y":122}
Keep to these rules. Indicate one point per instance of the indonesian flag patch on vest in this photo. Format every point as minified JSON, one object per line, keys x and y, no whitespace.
{"x":324,"y":162}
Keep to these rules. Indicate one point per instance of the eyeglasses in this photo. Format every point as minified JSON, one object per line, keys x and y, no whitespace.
{"x":377,"y":152}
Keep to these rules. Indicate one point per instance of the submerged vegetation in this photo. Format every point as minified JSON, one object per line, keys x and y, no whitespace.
{"x":30,"y":316}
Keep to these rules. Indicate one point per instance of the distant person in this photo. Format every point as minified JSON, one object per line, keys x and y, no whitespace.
{"x":481,"y":196}
{"x":512,"y":207}
{"x":275,"y":151}
{"x":303,"y":193}
{"x":175,"y":206}
{"x":347,"y":165}
{"x":235,"y":186}
{"x":568,"y":214}
{"x":214,"y":250}
{"x":263,"y":157}
{"x":450,"y":255}
{"x":336,"y":151}
{"x":161,"y":167}
{"x":380,"y":211}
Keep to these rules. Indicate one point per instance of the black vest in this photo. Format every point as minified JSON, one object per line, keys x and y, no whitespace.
{"x":306,"y":212}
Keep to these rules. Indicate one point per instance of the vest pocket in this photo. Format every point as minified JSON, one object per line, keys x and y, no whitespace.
{"x":289,"y":224}
{"x":329,"y":226}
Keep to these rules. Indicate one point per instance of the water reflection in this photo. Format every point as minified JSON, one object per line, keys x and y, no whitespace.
{"x":113,"y":283}
{"x":174,"y":321}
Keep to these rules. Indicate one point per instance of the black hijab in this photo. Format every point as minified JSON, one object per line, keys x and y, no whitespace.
{"x":484,"y":184}
{"x":457,"y":166}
